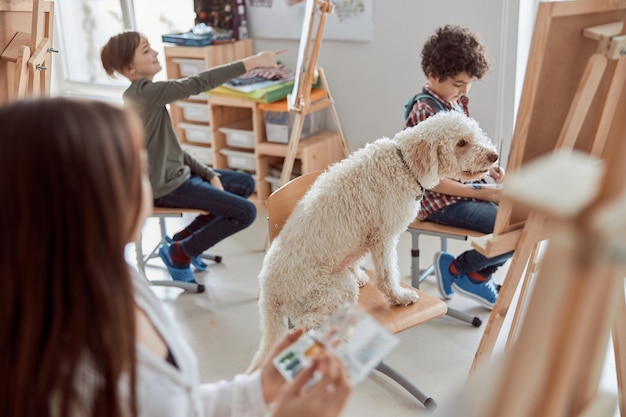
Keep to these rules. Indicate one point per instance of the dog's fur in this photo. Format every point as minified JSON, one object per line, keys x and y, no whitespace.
{"x":361,"y":205}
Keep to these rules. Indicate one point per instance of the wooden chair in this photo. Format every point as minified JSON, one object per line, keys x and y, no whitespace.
{"x":142,"y":258}
{"x":418,"y":228}
{"x":396,"y":319}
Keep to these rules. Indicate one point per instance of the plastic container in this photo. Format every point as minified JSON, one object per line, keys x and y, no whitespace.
{"x":239,"y":135}
{"x":274,"y":182}
{"x":204,"y":97}
{"x":201,"y":153}
{"x":197,"y":133}
{"x":188,"y":67}
{"x":195,"y":112}
{"x":279,"y":125}
{"x":239,"y":159}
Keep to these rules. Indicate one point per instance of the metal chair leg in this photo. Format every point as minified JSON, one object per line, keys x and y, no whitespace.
{"x":418,"y":276}
{"x":426,"y":400}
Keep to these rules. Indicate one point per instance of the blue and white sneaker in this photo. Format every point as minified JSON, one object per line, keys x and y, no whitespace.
{"x":483,"y":292}
{"x":196,"y":261}
{"x":445,"y":278}
{"x":178,"y":274}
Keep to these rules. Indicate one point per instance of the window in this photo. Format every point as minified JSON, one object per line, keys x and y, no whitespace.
{"x":83,"y":26}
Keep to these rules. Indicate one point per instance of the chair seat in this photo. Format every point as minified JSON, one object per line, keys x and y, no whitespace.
{"x":399,"y":318}
{"x":175,"y":212}
{"x":437,"y":229}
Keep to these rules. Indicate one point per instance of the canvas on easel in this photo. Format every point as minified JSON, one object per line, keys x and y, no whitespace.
{"x":307,"y":73}
{"x":574,"y":79}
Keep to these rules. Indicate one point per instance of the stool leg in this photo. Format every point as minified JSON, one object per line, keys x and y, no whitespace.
{"x":163,"y":229}
{"x":141,"y":263}
{"x":415,"y":259}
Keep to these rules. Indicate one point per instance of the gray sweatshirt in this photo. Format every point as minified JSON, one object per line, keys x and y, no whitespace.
{"x":168,"y":164}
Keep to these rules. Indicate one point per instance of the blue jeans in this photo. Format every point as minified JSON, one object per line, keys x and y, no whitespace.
{"x":474,"y":215}
{"x":229,"y":211}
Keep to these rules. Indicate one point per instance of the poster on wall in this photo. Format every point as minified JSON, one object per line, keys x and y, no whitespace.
{"x":351,"y":20}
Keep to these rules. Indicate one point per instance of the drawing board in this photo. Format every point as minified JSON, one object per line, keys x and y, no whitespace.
{"x":557,"y":66}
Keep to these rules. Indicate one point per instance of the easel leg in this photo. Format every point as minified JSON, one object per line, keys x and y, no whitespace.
{"x":619,"y":348}
{"x":531,"y":269}
{"x":292,"y":148}
{"x":528,"y":239}
{"x":582,"y":101}
{"x":333,"y":112}
{"x":21,"y":73}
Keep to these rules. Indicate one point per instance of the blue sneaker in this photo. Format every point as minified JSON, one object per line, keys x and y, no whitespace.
{"x":178,"y":274}
{"x":483,"y":292}
{"x":445,"y":278}
{"x":197,"y":261}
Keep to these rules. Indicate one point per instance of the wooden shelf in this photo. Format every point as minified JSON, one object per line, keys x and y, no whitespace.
{"x":314,"y":153}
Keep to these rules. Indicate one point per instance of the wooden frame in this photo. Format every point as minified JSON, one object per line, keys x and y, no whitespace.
{"x":307,"y":74}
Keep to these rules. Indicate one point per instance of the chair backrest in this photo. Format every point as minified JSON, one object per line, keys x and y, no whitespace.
{"x":281,"y":202}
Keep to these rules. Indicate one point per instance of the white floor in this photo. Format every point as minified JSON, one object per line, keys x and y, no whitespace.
{"x":222,"y":326}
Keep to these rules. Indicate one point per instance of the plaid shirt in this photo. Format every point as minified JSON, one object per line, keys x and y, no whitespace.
{"x":433,"y":201}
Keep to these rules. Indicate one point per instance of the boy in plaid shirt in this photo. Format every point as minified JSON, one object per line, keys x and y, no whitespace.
{"x":452,"y":59}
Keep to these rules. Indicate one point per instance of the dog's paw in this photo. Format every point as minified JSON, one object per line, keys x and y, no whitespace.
{"x":361,"y":277}
{"x":405,"y":297}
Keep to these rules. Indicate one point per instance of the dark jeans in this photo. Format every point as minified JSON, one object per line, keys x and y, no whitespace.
{"x":474,"y":215}
{"x":229,"y":211}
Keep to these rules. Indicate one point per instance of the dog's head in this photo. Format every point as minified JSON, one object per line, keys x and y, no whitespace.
{"x":447,"y":145}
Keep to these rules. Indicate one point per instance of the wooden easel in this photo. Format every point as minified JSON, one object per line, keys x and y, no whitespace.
{"x":26,"y":44}
{"x":587,"y":34}
{"x":300,"y":101}
{"x":553,"y":369}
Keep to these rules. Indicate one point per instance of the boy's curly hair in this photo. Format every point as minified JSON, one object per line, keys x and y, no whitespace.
{"x":452,"y":50}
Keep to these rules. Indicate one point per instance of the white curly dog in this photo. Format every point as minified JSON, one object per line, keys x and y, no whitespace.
{"x":358,"y":206}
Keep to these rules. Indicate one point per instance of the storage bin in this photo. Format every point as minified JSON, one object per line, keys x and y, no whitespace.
{"x":239,"y":135}
{"x":279,"y":125}
{"x":188,"y":67}
{"x":201,"y":153}
{"x":195,"y":112}
{"x":203,"y":97}
{"x":197,"y":133}
{"x":239,"y":159}
{"x":274,"y":182}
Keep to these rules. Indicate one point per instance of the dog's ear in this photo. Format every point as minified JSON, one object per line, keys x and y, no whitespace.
{"x":423,"y":159}
{"x":446,"y":157}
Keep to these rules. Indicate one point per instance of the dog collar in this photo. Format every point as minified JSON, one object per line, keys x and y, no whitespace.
{"x":408,"y":168}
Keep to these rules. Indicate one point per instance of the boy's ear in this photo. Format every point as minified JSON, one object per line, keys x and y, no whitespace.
{"x":128,"y":70}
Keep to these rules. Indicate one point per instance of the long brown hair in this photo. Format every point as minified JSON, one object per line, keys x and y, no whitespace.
{"x":70,"y":183}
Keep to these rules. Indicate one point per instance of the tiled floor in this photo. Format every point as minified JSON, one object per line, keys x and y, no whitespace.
{"x":222,"y":327}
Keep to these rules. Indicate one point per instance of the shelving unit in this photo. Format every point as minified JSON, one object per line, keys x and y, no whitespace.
{"x":314,"y":153}
{"x":228,"y":132}
{"x":191,"y":118}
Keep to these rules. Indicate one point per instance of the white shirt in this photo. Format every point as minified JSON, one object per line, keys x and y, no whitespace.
{"x":164,"y":390}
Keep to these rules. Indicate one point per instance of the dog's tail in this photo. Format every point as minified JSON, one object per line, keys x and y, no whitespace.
{"x":272,"y":328}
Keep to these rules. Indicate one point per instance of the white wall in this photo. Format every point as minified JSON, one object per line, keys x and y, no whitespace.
{"x":371,"y":81}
